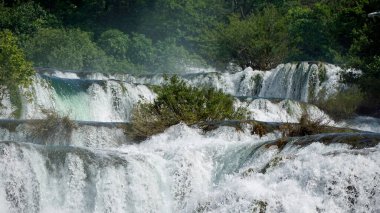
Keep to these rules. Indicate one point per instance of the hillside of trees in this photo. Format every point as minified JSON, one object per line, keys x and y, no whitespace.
{"x":150,"y":36}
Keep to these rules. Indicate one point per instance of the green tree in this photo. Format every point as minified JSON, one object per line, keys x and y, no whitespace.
{"x":184,"y":21}
{"x":364,"y":49}
{"x":25,"y":18}
{"x":14,"y":68}
{"x":173,"y":58}
{"x":246,"y":7}
{"x":141,"y":51}
{"x":260,"y":41}
{"x":70,"y":49}
{"x":115,"y":43}
{"x":350,"y":16}
{"x":310,"y":33}
{"x":370,"y":85}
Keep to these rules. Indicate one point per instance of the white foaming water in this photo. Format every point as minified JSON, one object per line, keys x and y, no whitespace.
{"x":84,"y":99}
{"x":282,"y":110}
{"x":6,"y":108}
{"x":183,"y":170}
{"x":68,"y":75}
{"x":99,"y":97}
{"x":96,"y":168}
{"x":363,"y":123}
{"x":301,"y":82}
{"x":91,"y":136}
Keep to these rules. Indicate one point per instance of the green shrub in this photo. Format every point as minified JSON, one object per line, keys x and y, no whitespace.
{"x":343,"y":104}
{"x":51,"y":125}
{"x":14,"y":68}
{"x":177,"y":102}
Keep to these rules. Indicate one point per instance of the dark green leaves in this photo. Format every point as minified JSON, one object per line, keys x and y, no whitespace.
{"x":177,"y":102}
{"x":14,"y":69}
{"x":260,"y":41}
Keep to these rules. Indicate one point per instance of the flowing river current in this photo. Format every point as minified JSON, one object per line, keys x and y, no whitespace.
{"x":96,"y":167}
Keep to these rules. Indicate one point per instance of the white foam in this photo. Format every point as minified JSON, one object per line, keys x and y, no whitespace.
{"x":184,"y":170}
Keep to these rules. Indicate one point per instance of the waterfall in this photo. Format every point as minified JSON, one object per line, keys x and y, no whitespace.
{"x":183,"y":170}
{"x":95,"y":166}
{"x":110,"y":98}
{"x":301,"y":82}
{"x":83,"y":99}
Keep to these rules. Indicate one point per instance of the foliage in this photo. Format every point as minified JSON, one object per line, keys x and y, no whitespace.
{"x":306,"y":126}
{"x":177,"y":102}
{"x":309,"y":33}
{"x":70,"y":49}
{"x":364,"y":54}
{"x":343,"y":104}
{"x":247,"y":7}
{"x":115,"y":43}
{"x":124,"y":66}
{"x":25,"y":18}
{"x":16,"y":101}
{"x":350,"y":17}
{"x":184,"y":21}
{"x":118,"y":46}
{"x":15,"y":70}
{"x":258,"y":41}
{"x":141,"y":50}
{"x":172,"y":58}
{"x":162,"y":35}
{"x":369,"y":83}
{"x":52,"y":124}
{"x":115,"y":51}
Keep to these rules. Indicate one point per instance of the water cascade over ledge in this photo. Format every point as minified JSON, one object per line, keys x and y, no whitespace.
{"x":96,"y":167}
{"x":110,"y":98}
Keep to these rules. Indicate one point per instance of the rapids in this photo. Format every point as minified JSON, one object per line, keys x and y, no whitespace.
{"x":82,"y":96}
{"x":96,"y":167}
{"x":184,"y":170}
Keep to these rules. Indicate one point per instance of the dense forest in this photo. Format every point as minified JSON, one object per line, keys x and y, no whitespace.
{"x":151,"y":36}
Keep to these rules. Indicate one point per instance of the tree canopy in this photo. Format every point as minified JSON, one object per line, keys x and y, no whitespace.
{"x":15,"y":70}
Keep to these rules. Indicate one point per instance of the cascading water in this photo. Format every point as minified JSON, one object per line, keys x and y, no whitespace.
{"x":98,"y":168}
{"x":300,"y":82}
{"x":182,"y":170}
{"x":97,"y":97}
{"x":83,"y":99}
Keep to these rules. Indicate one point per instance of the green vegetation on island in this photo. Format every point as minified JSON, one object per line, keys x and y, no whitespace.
{"x":178,"y":102}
